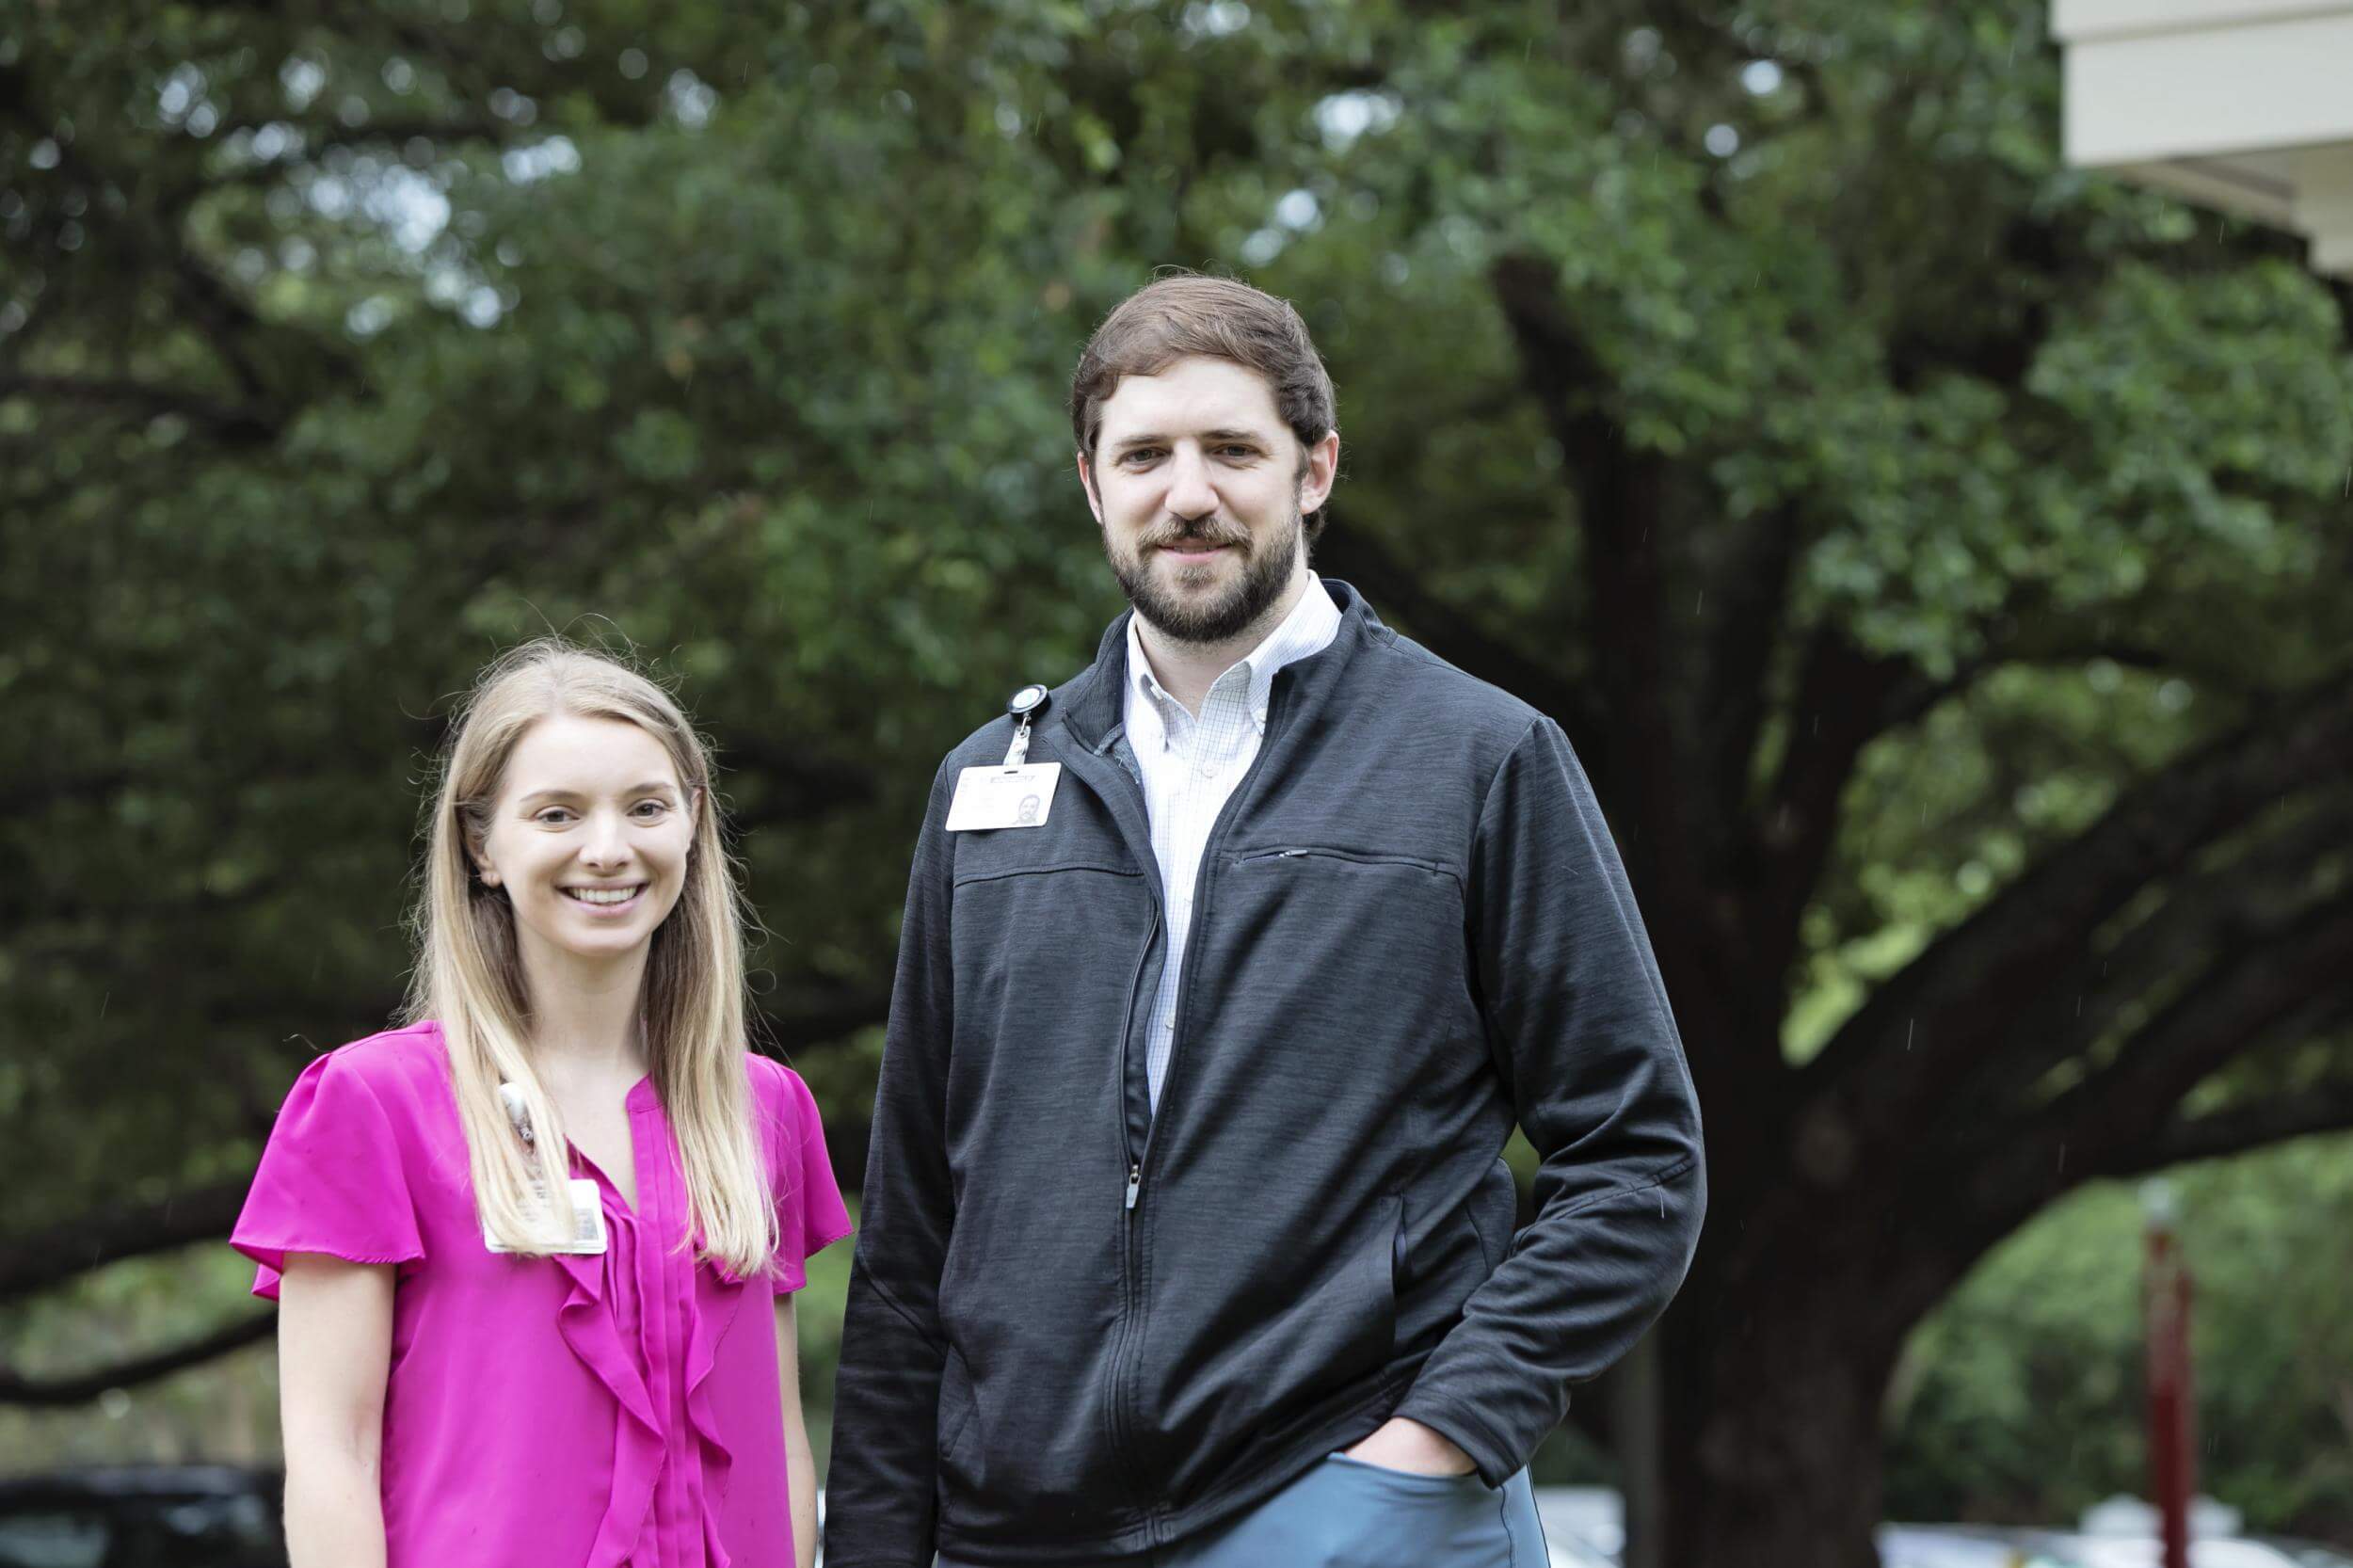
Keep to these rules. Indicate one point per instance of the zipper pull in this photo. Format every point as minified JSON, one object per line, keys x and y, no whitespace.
{"x":1135,"y":1180}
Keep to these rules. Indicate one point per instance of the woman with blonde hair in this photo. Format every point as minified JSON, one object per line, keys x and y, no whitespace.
{"x":515,"y":1242}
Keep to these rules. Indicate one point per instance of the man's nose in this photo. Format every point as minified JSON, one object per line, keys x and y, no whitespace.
{"x":1189,"y":494}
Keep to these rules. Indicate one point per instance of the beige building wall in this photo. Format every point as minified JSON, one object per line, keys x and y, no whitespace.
{"x":2246,"y":105}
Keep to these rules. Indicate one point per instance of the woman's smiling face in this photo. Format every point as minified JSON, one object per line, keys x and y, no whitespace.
{"x":589,"y":840}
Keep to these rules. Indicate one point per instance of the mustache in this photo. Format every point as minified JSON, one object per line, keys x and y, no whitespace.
{"x":1203,"y":531}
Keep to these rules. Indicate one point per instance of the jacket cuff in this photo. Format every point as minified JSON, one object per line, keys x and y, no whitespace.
{"x":1497,"y":1461}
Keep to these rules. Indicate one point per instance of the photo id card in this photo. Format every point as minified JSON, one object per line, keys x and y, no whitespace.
{"x":1003,"y":797}
{"x":587,"y":1220}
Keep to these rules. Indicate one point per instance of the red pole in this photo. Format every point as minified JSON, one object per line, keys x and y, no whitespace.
{"x":2172,"y":1446}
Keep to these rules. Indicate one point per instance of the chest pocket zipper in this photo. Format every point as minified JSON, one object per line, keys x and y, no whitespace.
{"x":1356,"y":857}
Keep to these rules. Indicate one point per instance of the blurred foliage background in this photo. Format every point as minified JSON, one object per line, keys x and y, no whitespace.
{"x":1937,"y":555}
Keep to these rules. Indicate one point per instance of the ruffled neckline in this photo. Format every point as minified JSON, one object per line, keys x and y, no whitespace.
{"x":588,"y":1322}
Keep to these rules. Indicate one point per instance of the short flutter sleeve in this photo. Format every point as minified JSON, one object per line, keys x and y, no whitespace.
{"x":330,"y":1179}
{"x":809,"y":1214}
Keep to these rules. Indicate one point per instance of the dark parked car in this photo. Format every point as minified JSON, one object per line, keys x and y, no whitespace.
{"x":142,"y":1516}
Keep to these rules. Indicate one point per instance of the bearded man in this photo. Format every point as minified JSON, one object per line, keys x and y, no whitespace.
{"x":1228,"y":967}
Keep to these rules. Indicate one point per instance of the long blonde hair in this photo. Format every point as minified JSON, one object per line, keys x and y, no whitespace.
{"x":469,"y":973}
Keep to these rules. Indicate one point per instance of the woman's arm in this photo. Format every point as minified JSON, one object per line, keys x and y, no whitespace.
{"x":800,"y":1469}
{"x":334,"y":1346}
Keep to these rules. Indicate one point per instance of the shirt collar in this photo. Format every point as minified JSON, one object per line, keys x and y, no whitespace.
{"x":1309,"y":629}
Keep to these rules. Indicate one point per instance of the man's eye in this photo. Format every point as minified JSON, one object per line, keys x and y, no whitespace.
{"x":1141,"y":454}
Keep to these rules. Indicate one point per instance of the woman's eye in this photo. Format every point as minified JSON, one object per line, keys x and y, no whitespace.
{"x":554,"y":816}
{"x":651,"y":808}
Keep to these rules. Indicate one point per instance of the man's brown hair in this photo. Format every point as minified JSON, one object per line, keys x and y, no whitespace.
{"x":1186,"y":314}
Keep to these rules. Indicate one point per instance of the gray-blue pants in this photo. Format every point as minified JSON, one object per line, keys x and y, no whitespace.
{"x":1346,"y":1514}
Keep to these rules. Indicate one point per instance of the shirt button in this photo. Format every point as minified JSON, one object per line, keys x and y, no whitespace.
{"x":1208,"y":770}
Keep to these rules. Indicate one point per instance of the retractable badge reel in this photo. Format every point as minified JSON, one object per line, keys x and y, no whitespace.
{"x":588,"y":1234}
{"x":1015,"y":793}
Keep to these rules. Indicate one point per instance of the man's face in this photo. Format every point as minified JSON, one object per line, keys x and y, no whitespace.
{"x":1200,"y":488}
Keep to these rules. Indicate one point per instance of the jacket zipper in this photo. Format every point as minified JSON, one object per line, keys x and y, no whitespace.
{"x":1131,"y":1252}
{"x":1218,"y":831}
{"x":1131,"y":1305}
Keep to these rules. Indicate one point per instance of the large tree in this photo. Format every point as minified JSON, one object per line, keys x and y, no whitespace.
{"x":1936,"y":557}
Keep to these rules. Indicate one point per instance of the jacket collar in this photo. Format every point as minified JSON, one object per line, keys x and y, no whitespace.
{"x":1091,"y":707}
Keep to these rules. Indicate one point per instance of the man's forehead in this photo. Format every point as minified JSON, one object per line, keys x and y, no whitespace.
{"x":1189,"y":396}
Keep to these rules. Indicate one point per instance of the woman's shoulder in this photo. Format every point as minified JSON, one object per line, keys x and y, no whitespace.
{"x":775,"y":1086}
{"x":782,"y":1106}
{"x":394,"y":1057}
{"x":401,"y":1073}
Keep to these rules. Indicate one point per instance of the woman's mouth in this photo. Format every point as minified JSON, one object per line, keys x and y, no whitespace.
{"x":607,"y":901}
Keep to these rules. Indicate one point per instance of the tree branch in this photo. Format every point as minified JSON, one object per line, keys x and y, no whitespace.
{"x":1617,"y":491}
{"x":2293,"y":978}
{"x":319,"y":135}
{"x":234,"y":422}
{"x":2273,"y":993}
{"x":110,"y":1235}
{"x":2246,"y":901}
{"x":81,"y":1387}
{"x":49,"y":1257}
{"x":819,"y":1021}
{"x":2237,"y":1129}
{"x":1752,"y":587}
{"x":798,"y":785}
{"x":1460,"y":640}
{"x":1619,"y":496}
{"x":1954,"y":1008}
{"x":1848,"y":698}
{"x":1845,"y":698}
{"x":1656,"y":790}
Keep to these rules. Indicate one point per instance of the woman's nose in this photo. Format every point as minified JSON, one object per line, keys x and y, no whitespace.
{"x":605,"y":844}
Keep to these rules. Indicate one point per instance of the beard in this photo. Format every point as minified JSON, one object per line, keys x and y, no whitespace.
{"x":1194,"y":618}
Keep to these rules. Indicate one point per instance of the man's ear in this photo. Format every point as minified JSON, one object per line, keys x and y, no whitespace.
{"x":1321,"y":471}
{"x":1086,"y":482}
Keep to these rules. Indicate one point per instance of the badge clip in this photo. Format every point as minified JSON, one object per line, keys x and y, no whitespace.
{"x":1025,"y":705}
{"x":1018,"y":792}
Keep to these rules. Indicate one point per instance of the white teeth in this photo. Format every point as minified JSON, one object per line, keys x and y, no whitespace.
{"x":602,"y":895}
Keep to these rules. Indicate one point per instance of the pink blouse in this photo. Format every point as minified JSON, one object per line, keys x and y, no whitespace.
{"x":545,"y":1412}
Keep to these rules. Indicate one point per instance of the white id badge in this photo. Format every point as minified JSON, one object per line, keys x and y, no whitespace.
{"x":588,"y":1237}
{"x":1003,"y":797}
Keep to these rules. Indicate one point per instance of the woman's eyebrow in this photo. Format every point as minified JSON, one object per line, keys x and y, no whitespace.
{"x":651,"y":786}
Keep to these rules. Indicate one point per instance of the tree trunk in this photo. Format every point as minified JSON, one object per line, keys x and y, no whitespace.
{"x":1774,"y":1393}
{"x":1637,"y":1440}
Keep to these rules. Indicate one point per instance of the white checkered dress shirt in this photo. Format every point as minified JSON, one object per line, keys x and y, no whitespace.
{"x":1191,"y":765}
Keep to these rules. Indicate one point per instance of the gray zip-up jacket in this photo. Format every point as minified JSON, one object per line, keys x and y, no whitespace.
{"x":1078,"y":1329}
